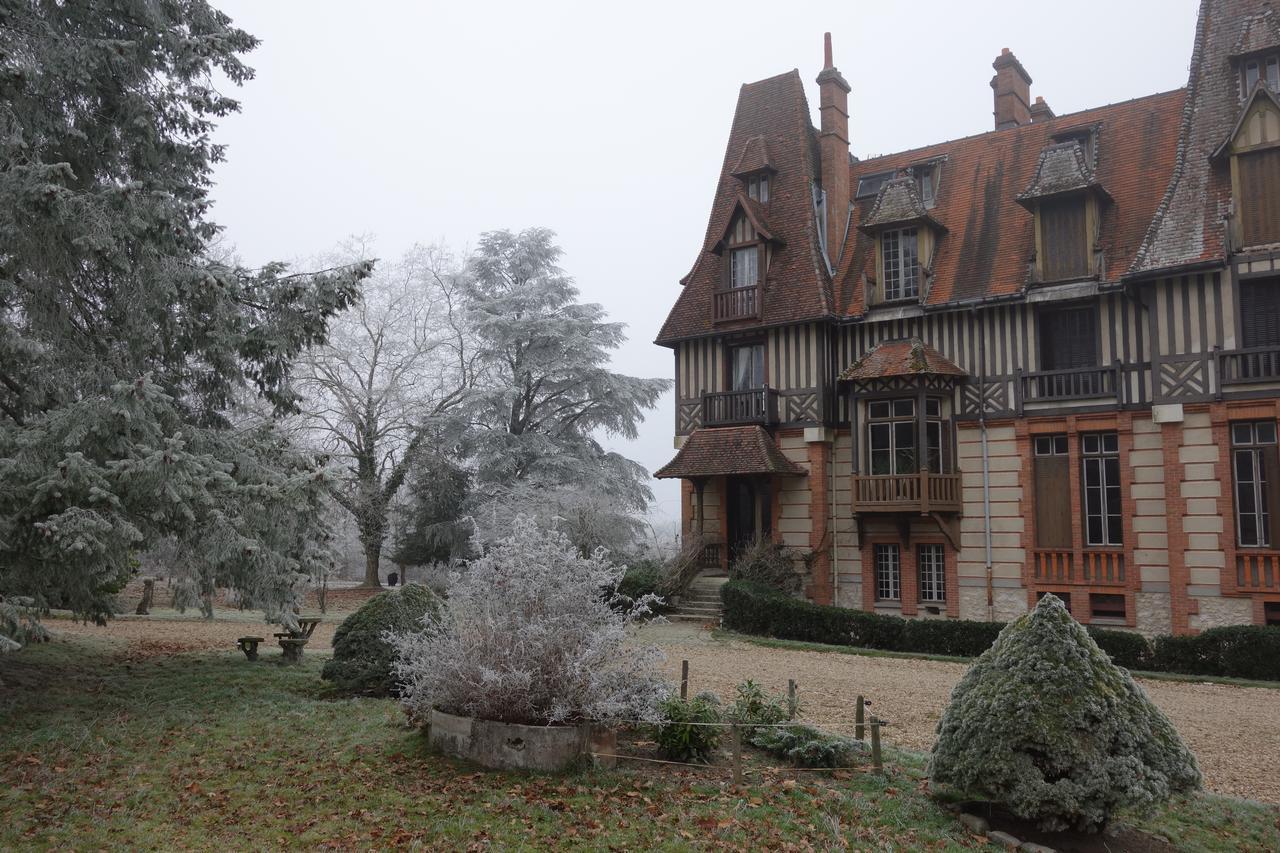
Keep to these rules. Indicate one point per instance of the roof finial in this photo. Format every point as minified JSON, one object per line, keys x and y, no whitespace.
{"x":826,"y":51}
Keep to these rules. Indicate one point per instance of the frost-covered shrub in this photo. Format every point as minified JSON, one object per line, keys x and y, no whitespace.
{"x":1045,"y":724}
{"x":362,"y":657}
{"x":528,"y":636}
{"x":805,"y":746}
{"x":642,"y":578}
{"x":688,"y":730}
{"x":768,"y":564}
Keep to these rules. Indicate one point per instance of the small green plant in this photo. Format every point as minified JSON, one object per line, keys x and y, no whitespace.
{"x":687,"y":731}
{"x":362,"y":657}
{"x":753,"y":706}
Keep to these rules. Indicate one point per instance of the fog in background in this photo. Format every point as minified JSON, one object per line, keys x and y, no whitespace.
{"x":425,"y":122}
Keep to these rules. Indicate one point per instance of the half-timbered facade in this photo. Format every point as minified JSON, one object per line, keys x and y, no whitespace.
{"x":1041,"y":359}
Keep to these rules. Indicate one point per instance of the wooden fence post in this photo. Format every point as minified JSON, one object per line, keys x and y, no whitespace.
{"x":876,"y":758}
{"x":736,"y":742}
{"x":684,"y":679}
{"x":859,"y":729}
{"x":792,"y":704}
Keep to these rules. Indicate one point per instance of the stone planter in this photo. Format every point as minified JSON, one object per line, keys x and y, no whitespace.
{"x":507,"y":746}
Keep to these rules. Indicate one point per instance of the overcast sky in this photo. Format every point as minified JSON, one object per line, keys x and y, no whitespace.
{"x":429,"y":122}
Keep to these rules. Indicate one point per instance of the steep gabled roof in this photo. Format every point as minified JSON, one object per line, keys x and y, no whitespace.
{"x":901,"y":358}
{"x":754,"y":211}
{"x":728,"y":451}
{"x":1188,"y":228}
{"x":990,"y":239}
{"x":755,"y":157}
{"x":796,"y":286}
{"x":1260,"y":93}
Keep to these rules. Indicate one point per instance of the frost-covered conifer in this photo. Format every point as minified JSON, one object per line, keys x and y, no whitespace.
{"x":1045,"y":724}
{"x":527,"y":635}
{"x":130,"y":360}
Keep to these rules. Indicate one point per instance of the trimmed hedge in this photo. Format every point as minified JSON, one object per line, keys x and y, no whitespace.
{"x":1242,"y":651}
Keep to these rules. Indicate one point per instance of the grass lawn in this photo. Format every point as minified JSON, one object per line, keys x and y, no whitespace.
{"x":104,"y":749}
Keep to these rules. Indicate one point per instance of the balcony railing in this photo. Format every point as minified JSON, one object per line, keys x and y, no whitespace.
{"x":1088,"y":568}
{"x":739,"y":303}
{"x":922,"y":492}
{"x":1244,"y":366}
{"x":727,"y":408}
{"x":1258,"y":571}
{"x":1081,"y":383}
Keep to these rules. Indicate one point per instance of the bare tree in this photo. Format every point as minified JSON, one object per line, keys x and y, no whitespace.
{"x":394,"y":368}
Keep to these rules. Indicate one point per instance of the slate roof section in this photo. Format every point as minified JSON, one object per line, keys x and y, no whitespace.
{"x":1260,"y":32}
{"x":901,"y":358}
{"x":990,"y":239}
{"x":729,"y":451}
{"x":1187,"y":229}
{"x":797,"y":286}
{"x":897,"y":203}
{"x":1062,"y":168}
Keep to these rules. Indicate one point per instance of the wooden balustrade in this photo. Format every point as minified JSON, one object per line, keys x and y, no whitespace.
{"x":1258,"y":571}
{"x":922,"y":492}
{"x":724,"y":408}
{"x":709,"y":556}
{"x":1087,"y":568}
{"x":1083,"y":383}
{"x":1243,"y":366}
{"x":739,"y":303}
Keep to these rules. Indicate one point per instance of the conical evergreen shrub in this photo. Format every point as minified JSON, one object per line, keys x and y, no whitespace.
{"x":1046,"y":725}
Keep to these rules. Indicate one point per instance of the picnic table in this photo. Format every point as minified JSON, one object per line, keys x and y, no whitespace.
{"x":293,"y":640}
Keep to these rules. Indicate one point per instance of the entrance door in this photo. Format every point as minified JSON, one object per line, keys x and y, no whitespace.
{"x":750,"y":513}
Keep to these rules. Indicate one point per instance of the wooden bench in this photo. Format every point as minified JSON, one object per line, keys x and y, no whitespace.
{"x":249,"y":645}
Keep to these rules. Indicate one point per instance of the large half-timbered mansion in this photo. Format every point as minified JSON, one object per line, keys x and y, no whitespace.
{"x":1041,"y":359}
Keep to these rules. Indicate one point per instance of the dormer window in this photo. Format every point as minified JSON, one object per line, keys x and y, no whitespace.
{"x":1064,"y":239}
{"x":901,"y":264}
{"x":758,"y":187}
{"x":744,"y":267}
{"x":1083,"y":136}
{"x":926,"y":182}
{"x":869,"y":185}
{"x":1265,"y":68}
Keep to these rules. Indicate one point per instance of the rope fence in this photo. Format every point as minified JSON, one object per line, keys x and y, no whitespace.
{"x":863,"y":724}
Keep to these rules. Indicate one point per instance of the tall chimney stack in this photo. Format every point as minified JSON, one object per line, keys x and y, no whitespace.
{"x":833,"y":142}
{"x":1012,"y":86}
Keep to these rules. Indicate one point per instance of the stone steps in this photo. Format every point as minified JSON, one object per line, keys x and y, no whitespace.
{"x":701,"y":602}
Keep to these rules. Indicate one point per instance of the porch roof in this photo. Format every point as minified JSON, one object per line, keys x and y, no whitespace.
{"x":901,"y":358}
{"x":729,"y":451}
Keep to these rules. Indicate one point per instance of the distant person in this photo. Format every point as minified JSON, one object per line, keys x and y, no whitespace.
{"x":393,"y":579}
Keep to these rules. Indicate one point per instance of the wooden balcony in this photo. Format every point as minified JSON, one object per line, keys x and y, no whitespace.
{"x":1094,"y":567}
{"x":1082,"y":383}
{"x":732,"y":408}
{"x":739,"y":303}
{"x":1246,"y":366}
{"x":921,"y":493}
{"x":709,"y":556}
{"x":1258,"y":571}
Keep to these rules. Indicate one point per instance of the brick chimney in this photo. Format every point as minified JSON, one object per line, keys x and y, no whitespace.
{"x":1040,"y":110}
{"x":833,"y":141}
{"x":1012,"y":85}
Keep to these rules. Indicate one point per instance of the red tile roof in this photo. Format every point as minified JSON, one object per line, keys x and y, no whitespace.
{"x":990,"y":237}
{"x":901,"y":358}
{"x":797,"y":285}
{"x":728,"y":451}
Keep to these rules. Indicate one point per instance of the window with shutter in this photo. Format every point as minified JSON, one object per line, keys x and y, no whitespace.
{"x":1259,"y":213}
{"x":1064,"y":243}
{"x":1260,"y":312}
{"x":1053,"y":492}
{"x":1068,"y":338}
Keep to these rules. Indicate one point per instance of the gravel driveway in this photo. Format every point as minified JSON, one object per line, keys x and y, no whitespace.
{"x":1234,"y":731}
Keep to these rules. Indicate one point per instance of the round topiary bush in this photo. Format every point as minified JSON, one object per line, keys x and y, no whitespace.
{"x":362,"y":658}
{"x":1044,"y":724}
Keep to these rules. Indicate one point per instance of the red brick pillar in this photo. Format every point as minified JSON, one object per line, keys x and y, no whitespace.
{"x":1175,"y":512}
{"x":820,"y":581}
